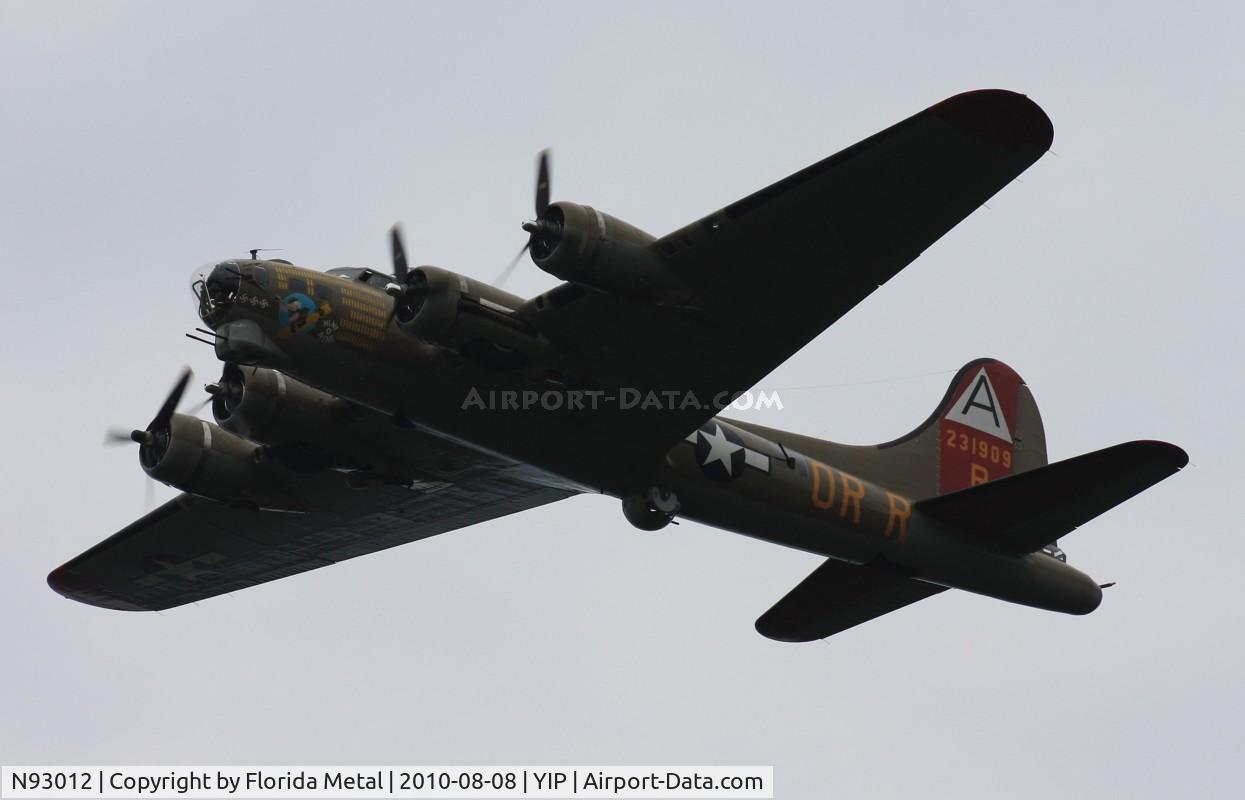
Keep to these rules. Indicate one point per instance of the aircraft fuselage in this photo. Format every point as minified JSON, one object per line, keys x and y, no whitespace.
{"x":337,"y":333}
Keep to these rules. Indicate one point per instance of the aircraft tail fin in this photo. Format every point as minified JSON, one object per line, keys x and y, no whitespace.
{"x":1018,"y":514}
{"x":986,"y":427}
{"x":1024,"y":513}
{"x":979,"y":462}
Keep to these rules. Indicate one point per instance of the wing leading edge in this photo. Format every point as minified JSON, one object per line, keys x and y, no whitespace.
{"x":773,"y":270}
{"x":191,"y":548}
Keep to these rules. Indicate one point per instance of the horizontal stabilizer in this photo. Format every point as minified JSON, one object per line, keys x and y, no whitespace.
{"x":1023,"y":513}
{"x":838,"y":596}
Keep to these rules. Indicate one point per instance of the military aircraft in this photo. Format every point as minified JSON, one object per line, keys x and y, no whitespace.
{"x":359,"y":410}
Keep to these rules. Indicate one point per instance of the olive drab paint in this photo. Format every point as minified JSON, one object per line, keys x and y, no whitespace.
{"x":363,"y":401}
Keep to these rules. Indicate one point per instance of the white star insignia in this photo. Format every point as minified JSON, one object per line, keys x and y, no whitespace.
{"x":720,"y":448}
{"x":190,"y":569}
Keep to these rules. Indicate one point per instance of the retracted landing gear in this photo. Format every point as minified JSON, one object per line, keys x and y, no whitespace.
{"x":652,"y":509}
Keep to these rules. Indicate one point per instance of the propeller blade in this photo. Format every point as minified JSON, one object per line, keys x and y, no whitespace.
{"x":506,"y":273}
{"x":542,"y":185}
{"x":165,"y":413}
{"x":399,"y":254}
{"x":118,"y":436}
{"x":115,"y":436}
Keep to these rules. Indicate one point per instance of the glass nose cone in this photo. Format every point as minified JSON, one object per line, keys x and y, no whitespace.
{"x":215,"y":286}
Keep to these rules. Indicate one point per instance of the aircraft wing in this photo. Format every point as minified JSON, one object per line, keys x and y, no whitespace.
{"x":773,"y":270}
{"x":191,"y":548}
{"x":837,"y":596}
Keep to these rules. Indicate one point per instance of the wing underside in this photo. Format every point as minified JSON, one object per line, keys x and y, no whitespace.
{"x":192,"y":548}
{"x":773,"y":270}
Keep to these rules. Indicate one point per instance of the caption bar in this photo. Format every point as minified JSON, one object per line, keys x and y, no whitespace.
{"x":295,"y":783}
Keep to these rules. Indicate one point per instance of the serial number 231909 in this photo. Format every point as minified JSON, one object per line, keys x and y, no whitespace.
{"x":980,"y":447}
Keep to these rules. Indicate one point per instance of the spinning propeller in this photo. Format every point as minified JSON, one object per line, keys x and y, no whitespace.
{"x":154,"y":439}
{"x":157,"y":431}
{"x":545,"y":230}
{"x":407,"y":288}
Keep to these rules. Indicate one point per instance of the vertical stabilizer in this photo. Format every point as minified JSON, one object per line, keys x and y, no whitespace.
{"x":986,"y":427}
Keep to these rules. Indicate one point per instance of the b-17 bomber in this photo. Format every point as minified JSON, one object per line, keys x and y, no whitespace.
{"x":359,"y":409}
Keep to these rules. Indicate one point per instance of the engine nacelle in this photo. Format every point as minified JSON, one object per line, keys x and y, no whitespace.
{"x":469,"y":317}
{"x":303,"y":427}
{"x":434,"y":297}
{"x":308,"y":430}
{"x":605,"y":253}
{"x":204,"y":459}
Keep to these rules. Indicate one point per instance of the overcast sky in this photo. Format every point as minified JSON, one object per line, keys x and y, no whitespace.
{"x":142,"y":140}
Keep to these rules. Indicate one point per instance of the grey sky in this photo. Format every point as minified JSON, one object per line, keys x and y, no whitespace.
{"x":141,"y":140}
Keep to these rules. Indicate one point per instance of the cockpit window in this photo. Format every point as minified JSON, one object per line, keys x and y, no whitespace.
{"x":377,"y":279}
{"x":369,"y":276}
{"x":260,"y":275}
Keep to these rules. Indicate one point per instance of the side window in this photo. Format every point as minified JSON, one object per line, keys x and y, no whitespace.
{"x":261,"y":276}
{"x":298,"y":285}
{"x":323,"y":292}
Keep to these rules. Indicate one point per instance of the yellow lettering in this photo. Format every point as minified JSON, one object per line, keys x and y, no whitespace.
{"x":897,"y":517}
{"x":818,"y":501}
{"x":852,"y":496}
{"x":978,"y":475}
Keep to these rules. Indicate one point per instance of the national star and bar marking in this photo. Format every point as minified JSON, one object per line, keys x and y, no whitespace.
{"x":189,"y":570}
{"x":722,"y":454}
